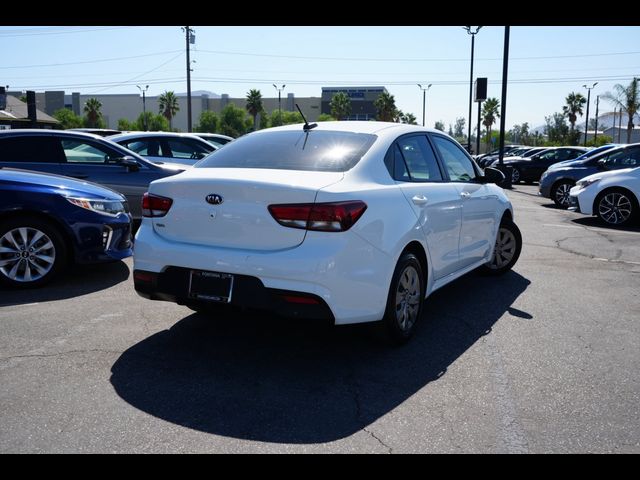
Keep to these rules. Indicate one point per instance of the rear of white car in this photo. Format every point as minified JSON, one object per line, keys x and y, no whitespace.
{"x":311,"y":224}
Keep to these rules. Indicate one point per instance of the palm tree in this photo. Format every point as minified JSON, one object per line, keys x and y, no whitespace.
{"x":254,"y":105}
{"x":490,"y":111}
{"x":386,"y":106}
{"x":340,"y":106}
{"x":628,"y":99}
{"x":168,"y":103}
{"x":409,"y":118}
{"x":573,"y":108}
{"x":92,"y":109}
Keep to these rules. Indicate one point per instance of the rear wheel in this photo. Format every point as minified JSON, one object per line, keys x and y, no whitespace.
{"x":560,"y":193}
{"x":507,"y":249}
{"x":32,"y":252}
{"x":405,"y":299}
{"x":515,"y":175}
{"x":616,"y":207}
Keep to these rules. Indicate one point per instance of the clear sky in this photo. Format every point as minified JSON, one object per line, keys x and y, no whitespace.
{"x":546,"y":63}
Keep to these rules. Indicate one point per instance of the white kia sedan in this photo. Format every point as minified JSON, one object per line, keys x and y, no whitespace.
{"x":349,"y":221}
{"x":614,"y":196}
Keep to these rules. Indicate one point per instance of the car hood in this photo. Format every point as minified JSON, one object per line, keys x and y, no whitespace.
{"x":568,"y":163}
{"x":608,"y":174}
{"x":64,"y":185}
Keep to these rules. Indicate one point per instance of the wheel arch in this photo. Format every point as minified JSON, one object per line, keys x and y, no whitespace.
{"x":57,"y":223}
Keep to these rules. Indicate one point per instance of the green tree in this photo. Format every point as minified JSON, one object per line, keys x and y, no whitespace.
{"x":340,"y":106}
{"x":155,"y":122}
{"x":458,"y":129}
{"x":168,"y":105}
{"x":408,"y":118}
{"x":439,"y":125}
{"x":628,"y":99}
{"x":490,"y":112}
{"x":556,"y":128}
{"x":209,"y":122}
{"x":67,"y":118}
{"x":287,"y":118}
{"x":92,"y":110}
{"x":254,"y":105}
{"x":573,"y":108}
{"x":125,"y":125}
{"x":232,"y":121}
{"x":386,"y":106}
{"x":450,"y":132}
{"x":601,"y":140}
{"x":325,"y":117}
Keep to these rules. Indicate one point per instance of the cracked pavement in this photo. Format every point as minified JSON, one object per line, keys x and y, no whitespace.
{"x":544,"y":359}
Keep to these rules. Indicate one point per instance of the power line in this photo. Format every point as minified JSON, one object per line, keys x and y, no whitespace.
{"x":67,"y":31}
{"x":92,"y":61}
{"x":362,"y":59}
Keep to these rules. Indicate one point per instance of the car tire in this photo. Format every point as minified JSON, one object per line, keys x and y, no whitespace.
{"x":506,"y":250}
{"x":515,"y":175}
{"x":405,"y":300}
{"x":616,"y":207}
{"x":560,"y":193}
{"x":32,"y":252}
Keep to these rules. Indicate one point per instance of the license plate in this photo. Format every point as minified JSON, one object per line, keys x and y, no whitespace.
{"x":210,"y":286}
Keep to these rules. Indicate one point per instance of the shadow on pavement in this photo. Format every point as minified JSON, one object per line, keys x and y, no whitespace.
{"x":77,"y":281}
{"x":596,"y":222}
{"x":259,"y":378}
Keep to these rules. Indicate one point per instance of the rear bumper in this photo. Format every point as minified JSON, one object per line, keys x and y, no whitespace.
{"x":348,"y":274}
{"x":172,"y":285}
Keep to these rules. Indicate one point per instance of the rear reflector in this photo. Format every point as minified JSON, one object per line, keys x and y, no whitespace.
{"x":324,"y":217}
{"x":155,"y":205}
{"x":297,"y":299}
{"x":144,"y":277}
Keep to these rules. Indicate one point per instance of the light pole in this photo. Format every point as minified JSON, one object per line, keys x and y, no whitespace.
{"x":144,"y":105}
{"x":190,"y":38}
{"x":424,"y":99}
{"x":595,"y":135}
{"x":586,"y":126}
{"x":473,"y":33}
{"x":279,"y":100}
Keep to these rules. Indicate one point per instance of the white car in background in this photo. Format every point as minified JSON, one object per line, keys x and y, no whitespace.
{"x":183,"y":149}
{"x":613,"y":196}
{"x":349,"y":221}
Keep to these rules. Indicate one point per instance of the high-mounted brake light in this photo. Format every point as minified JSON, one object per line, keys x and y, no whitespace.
{"x":155,"y":206}
{"x":324,"y":217}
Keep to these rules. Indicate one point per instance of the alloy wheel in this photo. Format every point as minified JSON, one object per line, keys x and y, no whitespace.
{"x":408,"y":298}
{"x":504,"y":250}
{"x":615,"y":208}
{"x":26,"y":254}
{"x":562,"y":194}
{"x":515,"y":175}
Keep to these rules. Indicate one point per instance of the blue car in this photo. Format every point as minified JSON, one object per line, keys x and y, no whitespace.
{"x":48,"y":221}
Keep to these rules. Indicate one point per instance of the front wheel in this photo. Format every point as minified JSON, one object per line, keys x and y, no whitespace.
{"x":560,"y":194}
{"x":616,"y":207}
{"x":405,"y":300}
{"x":507,"y":249}
{"x":32,"y":252}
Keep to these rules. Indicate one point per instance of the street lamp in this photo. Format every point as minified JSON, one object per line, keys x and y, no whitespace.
{"x":144,"y":105}
{"x":586,"y":126}
{"x":470,"y":30}
{"x":279,"y":100}
{"x":424,"y":99}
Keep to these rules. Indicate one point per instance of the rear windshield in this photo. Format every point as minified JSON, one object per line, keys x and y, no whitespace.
{"x":319,"y":151}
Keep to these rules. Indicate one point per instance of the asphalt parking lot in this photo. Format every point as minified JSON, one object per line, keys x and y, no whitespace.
{"x":544,"y":359}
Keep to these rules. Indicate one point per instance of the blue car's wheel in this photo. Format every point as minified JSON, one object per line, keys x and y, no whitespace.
{"x":31,"y":252}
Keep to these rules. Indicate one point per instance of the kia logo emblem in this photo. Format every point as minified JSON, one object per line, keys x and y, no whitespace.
{"x":214,"y":199}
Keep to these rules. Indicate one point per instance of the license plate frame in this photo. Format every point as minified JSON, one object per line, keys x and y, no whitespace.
{"x":210,"y":286}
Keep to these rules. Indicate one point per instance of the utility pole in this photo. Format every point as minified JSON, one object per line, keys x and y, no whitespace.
{"x":595,"y":135}
{"x":144,"y":106}
{"x":586,"y":127}
{"x":473,"y":32}
{"x":189,"y":39}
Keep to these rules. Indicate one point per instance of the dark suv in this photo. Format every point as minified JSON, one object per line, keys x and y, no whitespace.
{"x":84,"y":156}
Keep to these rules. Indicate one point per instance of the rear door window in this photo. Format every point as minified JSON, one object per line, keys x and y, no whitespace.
{"x":36,"y":149}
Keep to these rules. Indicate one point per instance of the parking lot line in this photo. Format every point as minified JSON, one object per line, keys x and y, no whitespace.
{"x":595,"y":229}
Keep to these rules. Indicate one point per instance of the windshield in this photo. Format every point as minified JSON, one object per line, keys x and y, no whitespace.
{"x":320,"y":150}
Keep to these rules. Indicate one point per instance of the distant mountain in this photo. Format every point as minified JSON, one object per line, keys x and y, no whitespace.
{"x":197,"y":93}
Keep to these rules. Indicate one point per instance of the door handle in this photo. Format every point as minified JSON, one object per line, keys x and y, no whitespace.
{"x":465,"y":195}
{"x":419,"y":200}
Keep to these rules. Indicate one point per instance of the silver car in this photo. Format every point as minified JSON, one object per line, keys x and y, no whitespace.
{"x":158,"y":147}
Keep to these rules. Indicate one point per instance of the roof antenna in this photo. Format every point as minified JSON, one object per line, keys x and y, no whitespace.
{"x":307,"y":126}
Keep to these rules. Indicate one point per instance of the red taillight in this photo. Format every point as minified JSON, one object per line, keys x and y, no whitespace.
{"x":300,"y":299}
{"x":155,"y":206}
{"x":324,"y":217}
{"x":144,"y":277}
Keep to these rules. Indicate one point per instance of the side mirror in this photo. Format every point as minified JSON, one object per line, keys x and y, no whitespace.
{"x":493,"y":175}
{"x":130,"y":163}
